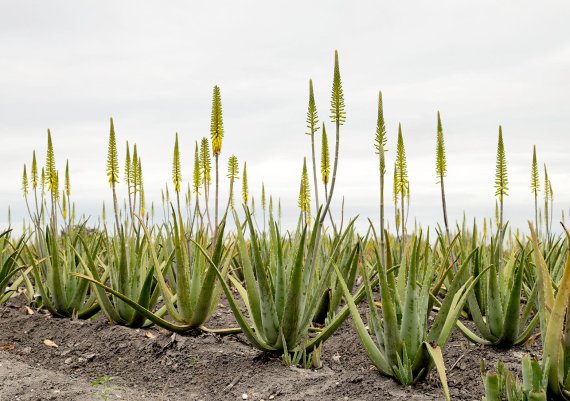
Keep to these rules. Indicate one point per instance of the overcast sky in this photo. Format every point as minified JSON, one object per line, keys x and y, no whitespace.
{"x":151,"y":65}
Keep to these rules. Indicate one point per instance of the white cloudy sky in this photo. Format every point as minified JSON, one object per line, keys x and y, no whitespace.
{"x":69,"y":66}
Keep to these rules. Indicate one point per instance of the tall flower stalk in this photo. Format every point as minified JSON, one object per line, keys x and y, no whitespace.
{"x":113,"y":171}
{"x":177,"y":175}
{"x":326,"y":167}
{"x":325,"y":160}
{"x":140,"y":181}
{"x":305,"y":194}
{"x":535,"y":184}
{"x":501,"y":187}
{"x":313,"y":127}
{"x":206,"y":172}
{"x":134,"y":176}
{"x":51,"y":179}
{"x":395,"y":197}
{"x":338,"y":117}
{"x":67,"y":193}
{"x":34,"y":179}
{"x":263,"y":204}
{"x":25,"y":188}
{"x":233,"y":175}
{"x":217,"y":133}
{"x":441,"y":171}
{"x":244,"y":185}
{"x":547,"y":210}
{"x":401,"y":182}
{"x":196,"y":184}
{"x":380,"y":145}
{"x":128,"y":180}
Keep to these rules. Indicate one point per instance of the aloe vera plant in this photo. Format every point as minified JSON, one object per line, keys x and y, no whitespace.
{"x":190,"y":294}
{"x":344,"y":251}
{"x":400,"y":343}
{"x":554,"y":325}
{"x":496,"y":306}
{"x":53,"y":259}
{"x":282,"y":290}
{"x":9,"y":266}
{"x":126,"y":267}
{"x":503,"y":385}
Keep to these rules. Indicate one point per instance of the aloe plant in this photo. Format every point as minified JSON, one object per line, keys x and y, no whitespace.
{"x":54,"y":259}
{"x":126,"y":267}
{"x":281,"y":290}
{"x":191,"y":293}
{"x":503,"y":385}
{"x":400,"y":343}
{"x":9,"y":264}
{"x":554,"y":325}
{"x":346,"y":252}
{"x":496,"y":306}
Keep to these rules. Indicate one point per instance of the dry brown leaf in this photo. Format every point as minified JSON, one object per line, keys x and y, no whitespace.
{"x":7,"y":346}
{"x":50,"y":343}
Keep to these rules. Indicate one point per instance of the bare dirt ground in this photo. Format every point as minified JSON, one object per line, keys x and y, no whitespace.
{"x":97,"y":361}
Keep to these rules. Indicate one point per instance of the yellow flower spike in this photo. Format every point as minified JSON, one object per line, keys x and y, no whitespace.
{"x":112,"y":160}
{"x":217,"y":123}
{"x":25,"y":182}
{"x":67,"y":180}
{"x":196,"y":176}
{"x":305,"y":193}
{"x":205,"y":161}
{"x":325,"y":159}
{"x":50,"y":172}
{"x":34,"y":172}
{"x":176,"y":169}
{"x":244,"y":188}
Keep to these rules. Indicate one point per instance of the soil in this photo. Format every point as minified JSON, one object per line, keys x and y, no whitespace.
{"x":95,"y":360}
